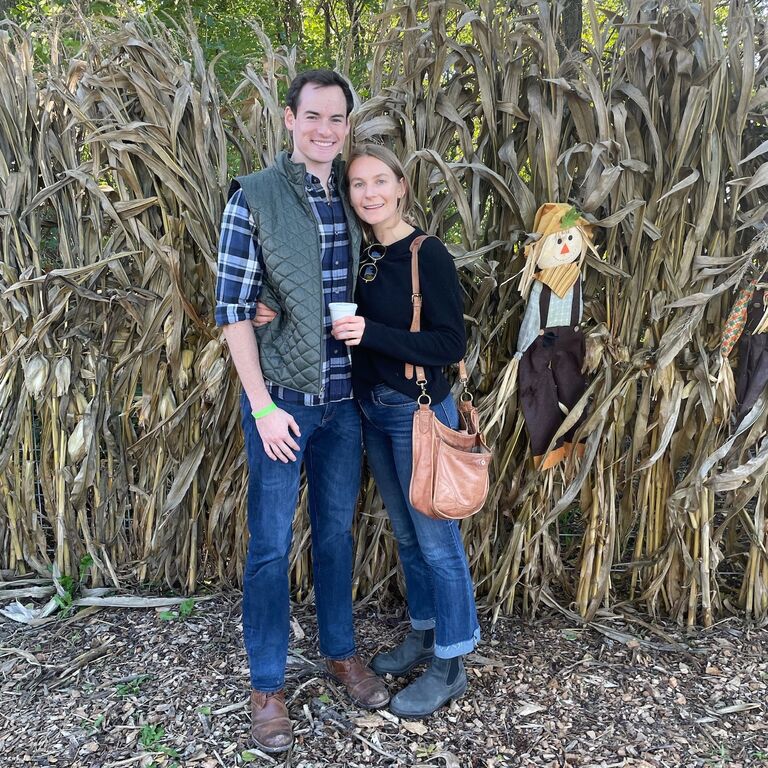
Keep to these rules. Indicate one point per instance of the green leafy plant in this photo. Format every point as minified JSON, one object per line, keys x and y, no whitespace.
{"x":185,"y":610}
{"x":151,"y":738}
{"x":71,"y":588}
{"x":131,"y":687}
{"x":151,"y":735}
{"x":91,"y":726}
{"x":719,"y":758}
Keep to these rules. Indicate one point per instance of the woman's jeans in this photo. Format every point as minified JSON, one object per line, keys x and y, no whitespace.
{"x":437,"y":579}
{"x":331,"y":451}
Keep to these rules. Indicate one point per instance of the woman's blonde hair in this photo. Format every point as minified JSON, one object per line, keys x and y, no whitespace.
{"x":392,"y":161}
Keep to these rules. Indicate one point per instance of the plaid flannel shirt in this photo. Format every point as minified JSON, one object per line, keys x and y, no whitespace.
{"x":241,"y":273}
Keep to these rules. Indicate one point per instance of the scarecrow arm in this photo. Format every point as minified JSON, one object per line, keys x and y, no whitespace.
{"x":531,"y":325}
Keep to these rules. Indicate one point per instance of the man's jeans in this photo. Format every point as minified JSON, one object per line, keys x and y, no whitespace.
{"x":437,"y":579}
{"x":331,"y":451}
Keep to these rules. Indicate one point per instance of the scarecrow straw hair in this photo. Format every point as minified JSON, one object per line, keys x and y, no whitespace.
{"x":119,"y":423}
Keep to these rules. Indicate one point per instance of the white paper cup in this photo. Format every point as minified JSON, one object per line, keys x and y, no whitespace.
{"x":339,"y":309}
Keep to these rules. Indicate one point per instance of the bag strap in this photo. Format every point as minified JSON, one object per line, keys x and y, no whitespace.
{"x":416,"y":300}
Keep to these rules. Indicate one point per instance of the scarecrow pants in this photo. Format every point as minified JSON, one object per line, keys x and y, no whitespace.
{"x":550,"y":373}
{"x":752,"y":374}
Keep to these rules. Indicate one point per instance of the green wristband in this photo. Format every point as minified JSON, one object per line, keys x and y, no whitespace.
{"x":264,"y":411}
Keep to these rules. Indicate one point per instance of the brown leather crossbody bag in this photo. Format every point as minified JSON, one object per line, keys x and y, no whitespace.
{"x":449,"y":475}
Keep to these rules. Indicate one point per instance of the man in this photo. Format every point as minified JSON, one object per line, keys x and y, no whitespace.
{"x":290,"y":240}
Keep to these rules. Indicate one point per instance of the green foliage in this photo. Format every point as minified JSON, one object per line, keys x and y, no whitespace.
{"x":329,"y":33}
{"x":151,"y":738}
{"x":92,"y":726}
{"x":185,"y":610}
{"x":131,"y":687}
{"x":570,"y":218}
{"x":71,"y":588}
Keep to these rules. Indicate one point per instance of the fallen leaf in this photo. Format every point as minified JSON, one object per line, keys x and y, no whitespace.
{"x":370,"y":721}
{"x":418,"y":728}
{"x":529,"y":709}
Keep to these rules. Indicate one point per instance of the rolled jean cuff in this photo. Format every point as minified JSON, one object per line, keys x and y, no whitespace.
{"x":422,"y":623}
{"x":267,"y":688}
{"x":458,"y":649}
{"x":339,"y":656}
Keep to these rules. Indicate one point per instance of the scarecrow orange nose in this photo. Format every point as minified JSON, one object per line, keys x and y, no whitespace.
{"x":564,"y":249}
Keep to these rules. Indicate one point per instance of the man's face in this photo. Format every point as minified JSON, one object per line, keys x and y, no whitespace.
{"x":319,"y":126}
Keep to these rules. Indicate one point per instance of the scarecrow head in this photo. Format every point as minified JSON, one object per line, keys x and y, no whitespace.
{"x":561,"y":237}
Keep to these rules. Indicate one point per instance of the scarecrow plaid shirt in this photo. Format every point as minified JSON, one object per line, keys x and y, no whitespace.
{"x":559,"y":314}
{"x":241,"y":273}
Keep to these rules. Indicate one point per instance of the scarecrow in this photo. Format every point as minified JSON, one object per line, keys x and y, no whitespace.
{"x":550,"y":346}
{"x":747,"y":329}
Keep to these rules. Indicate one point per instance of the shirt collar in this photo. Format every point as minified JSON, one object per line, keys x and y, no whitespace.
{"x":312,"y":182}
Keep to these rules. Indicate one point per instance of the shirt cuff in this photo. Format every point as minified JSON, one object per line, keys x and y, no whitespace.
{"x":227,"y":314}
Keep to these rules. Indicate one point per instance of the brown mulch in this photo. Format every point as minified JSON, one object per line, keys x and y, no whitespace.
{"x":127,"y":688}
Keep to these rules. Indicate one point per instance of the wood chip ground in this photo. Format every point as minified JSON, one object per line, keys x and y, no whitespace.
{"x":114,"y":688}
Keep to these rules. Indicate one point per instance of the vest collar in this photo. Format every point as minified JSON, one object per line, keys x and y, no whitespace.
{"x":296,"y":172}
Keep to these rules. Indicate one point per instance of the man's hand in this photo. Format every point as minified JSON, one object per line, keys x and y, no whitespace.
{"x":264,"y":315}
{"x":275,"y":432}
{"x":350,"y":330}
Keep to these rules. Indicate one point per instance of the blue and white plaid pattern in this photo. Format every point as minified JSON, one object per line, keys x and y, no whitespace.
{"x":559,"y":315}
{"x":241,"y":271}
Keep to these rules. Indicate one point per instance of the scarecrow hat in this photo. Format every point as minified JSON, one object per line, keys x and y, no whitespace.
{"x":557,"y":217}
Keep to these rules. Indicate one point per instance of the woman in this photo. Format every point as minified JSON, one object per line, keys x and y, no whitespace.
{"x":440,"y":595}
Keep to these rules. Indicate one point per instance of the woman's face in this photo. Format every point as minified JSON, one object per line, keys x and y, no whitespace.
{"x":374,"y":191}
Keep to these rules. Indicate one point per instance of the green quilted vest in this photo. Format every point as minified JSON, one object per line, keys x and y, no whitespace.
{"x":292,"y":346}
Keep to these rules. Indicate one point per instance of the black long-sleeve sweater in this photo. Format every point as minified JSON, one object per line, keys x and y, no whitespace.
{"x":385,"y":303}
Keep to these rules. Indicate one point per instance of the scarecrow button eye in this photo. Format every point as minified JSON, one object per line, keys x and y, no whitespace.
{"x":570,"y":237}
{"x":559,"y":240}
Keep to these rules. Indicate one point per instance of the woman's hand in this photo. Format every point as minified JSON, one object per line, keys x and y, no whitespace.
{"x":350,"y":330}
{"x":264,"y":315}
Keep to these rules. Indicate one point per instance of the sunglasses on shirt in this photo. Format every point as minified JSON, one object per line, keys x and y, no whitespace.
{"x":368,"y":269}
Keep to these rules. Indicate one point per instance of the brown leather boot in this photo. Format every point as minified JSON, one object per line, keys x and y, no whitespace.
{"x":270,"y":724}
{"x":363,"y":686}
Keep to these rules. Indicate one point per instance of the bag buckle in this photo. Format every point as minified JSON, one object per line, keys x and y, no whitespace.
{"x":423,"y":386}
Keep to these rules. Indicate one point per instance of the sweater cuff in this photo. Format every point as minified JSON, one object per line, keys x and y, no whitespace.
{"x":374,"y":335}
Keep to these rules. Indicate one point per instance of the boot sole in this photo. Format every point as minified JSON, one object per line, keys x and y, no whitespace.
{"x":271,"y":750}
{"x":410,"y":715}
{"x":357,"y":702}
